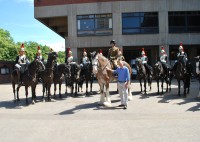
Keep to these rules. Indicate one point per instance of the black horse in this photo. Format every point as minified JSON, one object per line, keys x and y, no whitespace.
{"x":87,"y":75}
{"x":47,"y":75}
{"x":143,"y":75}
{"x":28,"y":78}
{"x":73,"y":78}
{"x":163,"y":75}
{"x":182,"y":73}
{"x":59,"y":73}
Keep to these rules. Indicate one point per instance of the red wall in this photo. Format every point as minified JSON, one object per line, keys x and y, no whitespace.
{"x":63,"y":2}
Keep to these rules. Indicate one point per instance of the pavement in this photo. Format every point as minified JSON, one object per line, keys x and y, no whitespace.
{"x":149,"y":118}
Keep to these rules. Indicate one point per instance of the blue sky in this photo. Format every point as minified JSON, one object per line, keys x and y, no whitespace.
{"x":17,"y":16}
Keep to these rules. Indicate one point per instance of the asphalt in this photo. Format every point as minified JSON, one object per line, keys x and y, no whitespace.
{"x":149,"y":118}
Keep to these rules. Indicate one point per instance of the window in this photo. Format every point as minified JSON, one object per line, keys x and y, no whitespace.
{"x":4,"y":70}
{"x":184,"y":22}
{"x":99,"y":24}
{"x":140,"y":23}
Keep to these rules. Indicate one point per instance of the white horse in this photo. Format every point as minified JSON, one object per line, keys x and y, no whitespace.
{"x":99,"y":64}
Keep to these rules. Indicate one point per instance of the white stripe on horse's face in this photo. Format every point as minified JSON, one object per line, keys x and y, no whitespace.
{"x":94,"y":65}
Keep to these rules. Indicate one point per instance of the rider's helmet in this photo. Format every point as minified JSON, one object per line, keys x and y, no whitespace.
{"x":100,"y":52}
{"x":69,"y":52}
{"x":181,"y":47}
{"x":143,"y":52}
{"x":163,"y":51}
{"x":84,"y":53}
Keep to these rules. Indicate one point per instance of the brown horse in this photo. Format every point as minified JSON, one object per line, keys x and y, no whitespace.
{"x":47,"y":75}
{"x":59,"y":74}
{"x":28,"y":78}
{"x":104,"y":77}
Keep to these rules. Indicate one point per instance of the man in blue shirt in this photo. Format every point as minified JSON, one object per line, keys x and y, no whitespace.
{"x":123,"y":82}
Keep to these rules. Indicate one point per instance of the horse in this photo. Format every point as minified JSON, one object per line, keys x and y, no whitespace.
{"x":160,"y":74}
{"x":87,"y":75}
{"x":28,"y":79}
{"x":47,"y":75}
{"x":73,"y":78}
{"x":182,"y":74}
{"x":198,"y":71}
{"x":142,"y":75}
{"x":104,"y":77}
{"x":59,"y":74}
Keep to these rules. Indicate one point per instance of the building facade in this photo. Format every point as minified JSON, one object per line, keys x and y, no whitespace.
{"x":6,"y":68}
{"x":134,"y":24}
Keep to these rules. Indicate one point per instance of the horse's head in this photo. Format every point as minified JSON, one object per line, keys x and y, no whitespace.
{"x":39,"y":66}
{"x":182,"y":64}
{"x":157,"y":69}
{"x":52,"y":56}
{"x":75,"y":71}
{"x":94,"y":59}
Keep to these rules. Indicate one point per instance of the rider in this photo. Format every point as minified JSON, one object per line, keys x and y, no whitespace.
{"x":70,"y":56}
{"x":120,"y":56}
{"x":144,"y":59}
{"x":85,"y":59}
{"x":182,"y":53}
{"x":21,"y":63}
{"x":113,"y":53}
{"x":163,"y":59}
{"x":39,"y":55}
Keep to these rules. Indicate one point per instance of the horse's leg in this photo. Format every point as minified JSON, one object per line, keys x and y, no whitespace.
{"x":108,"y":101}
{"x":91,"y":81}
{"x":65,"y":87}
{"x":26,"y":90}
{"x":76,"y":85}
{"x":55,"y":89}
{"x":102,"y":97}
{"x":33,"y":96}
{"x":86,"y":81}
{"x":185,"y":86}
{"x":13,"y":85}
{"x":162,"y":84}
{"x":145,"y":86}
{"x":43,"y":90}
{"x":157,"y":80}
{"x":179,"y":87}
{"x":18,"y":92}
{"x":140,"y":84}
{"x":60,"y":83}
{"x":130,"y":97}
{"x":49,"y":89}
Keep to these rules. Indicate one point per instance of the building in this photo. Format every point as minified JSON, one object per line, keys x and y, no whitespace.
{"x":6,"y":68}
{"x":134,"y":24}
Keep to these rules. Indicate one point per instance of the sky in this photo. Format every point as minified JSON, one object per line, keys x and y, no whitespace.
{"x":17,"y":17}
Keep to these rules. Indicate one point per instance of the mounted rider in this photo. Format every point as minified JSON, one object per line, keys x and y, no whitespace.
{"x":182,"y":53}
{"x":163,"y":60}
{"x":70,"y":58}
{"x":113,"y":53}
{"x":21,"y":63}
{"x":85,"y":60}
{"x":39,"y":55}
{"x":144,"y":59}
{"x":120,"y":56}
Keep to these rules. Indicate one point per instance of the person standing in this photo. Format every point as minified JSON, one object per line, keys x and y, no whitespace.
{"x":123,"y":82}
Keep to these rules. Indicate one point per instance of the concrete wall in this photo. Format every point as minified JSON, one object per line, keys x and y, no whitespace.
{"x":117,"y":8}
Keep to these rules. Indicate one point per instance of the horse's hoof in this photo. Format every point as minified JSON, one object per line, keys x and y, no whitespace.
{"x":33,"y":102}
{"x":130,"y":98}
{"x":43,"y":100}
{"x":107,"y":104}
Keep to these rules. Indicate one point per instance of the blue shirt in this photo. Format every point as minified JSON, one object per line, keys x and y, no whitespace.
{"x":123,"y":74}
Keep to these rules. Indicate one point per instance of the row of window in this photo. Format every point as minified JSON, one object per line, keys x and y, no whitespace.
{"x":138,"y":23}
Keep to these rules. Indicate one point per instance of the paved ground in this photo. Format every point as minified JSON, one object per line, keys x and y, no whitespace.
{"x":151,"y":118}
